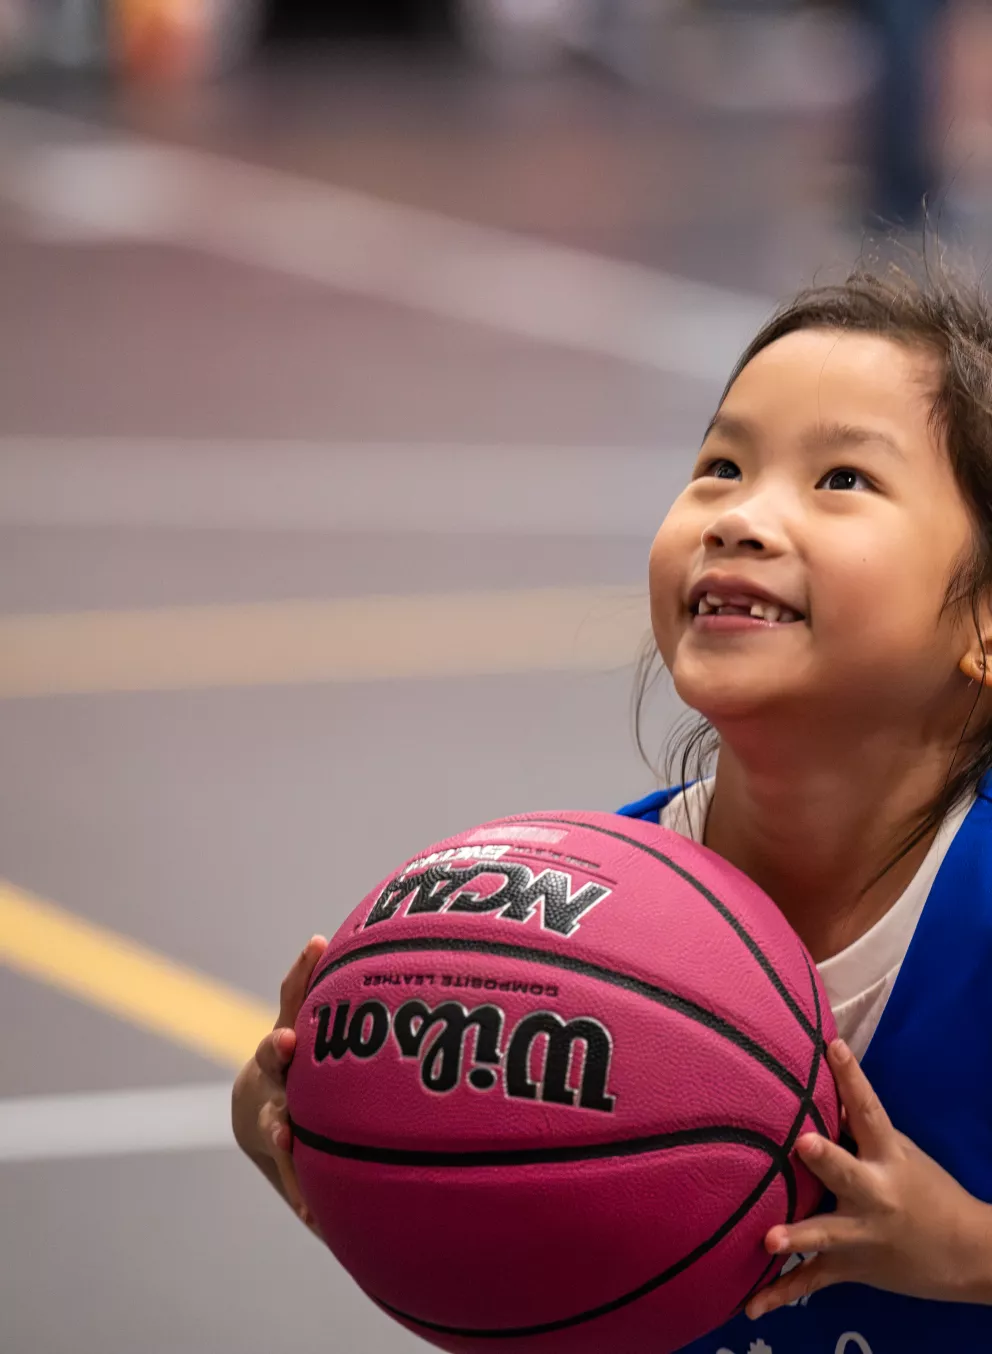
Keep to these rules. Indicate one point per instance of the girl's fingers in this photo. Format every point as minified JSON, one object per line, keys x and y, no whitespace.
{"x":277,"y":1137}
{"x":807,"y":1278}
{"x":272,"y":1058}
{"x":282,"y":1155}
{"x":294,"y":985}
{"x":275,"y":1053}
{"x":870,"y":1126}
{"x":823,"y":1232}
{"x":843,"y":1173}
{"x":273,"y":1126}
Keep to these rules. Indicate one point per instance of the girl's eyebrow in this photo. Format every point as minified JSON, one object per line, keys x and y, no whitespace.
{"x":826,"y":436}
{"x":734,"y":429}
{"x":822,"y":437}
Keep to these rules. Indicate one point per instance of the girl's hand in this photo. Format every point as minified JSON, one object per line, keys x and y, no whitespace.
{"x":258,"y":1111}
{"x":902,"y":1223}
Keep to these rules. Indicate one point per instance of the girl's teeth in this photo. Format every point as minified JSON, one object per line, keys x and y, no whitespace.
{"x":761,"y":611}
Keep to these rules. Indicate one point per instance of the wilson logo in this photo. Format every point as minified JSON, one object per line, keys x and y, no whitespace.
{"x":509,"y":890}
{"x":542,"y":1057}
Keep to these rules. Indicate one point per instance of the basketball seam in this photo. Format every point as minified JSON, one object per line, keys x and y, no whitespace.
{"x":819,"y":1049}
{"x":532,"y":1156}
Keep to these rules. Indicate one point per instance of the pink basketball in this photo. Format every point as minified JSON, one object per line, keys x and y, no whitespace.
{"x":548,"y":1082}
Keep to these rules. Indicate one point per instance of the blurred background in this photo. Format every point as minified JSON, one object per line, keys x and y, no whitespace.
{"x":350,"y":356}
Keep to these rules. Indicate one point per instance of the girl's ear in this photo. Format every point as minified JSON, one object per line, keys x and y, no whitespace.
{"x":977,"y":668}
{"x":977,"y":662}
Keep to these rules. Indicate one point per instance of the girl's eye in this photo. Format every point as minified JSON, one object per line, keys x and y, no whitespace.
{"x":843,"y":477}
{"x":718,"y":467}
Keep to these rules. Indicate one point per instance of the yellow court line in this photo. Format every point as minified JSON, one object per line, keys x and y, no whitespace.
{"x":346,"y":639}
{"x":128,"y":980}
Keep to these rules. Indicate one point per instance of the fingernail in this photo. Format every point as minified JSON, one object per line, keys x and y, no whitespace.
{"x":811,"y":1144}
{"x":841,"y":1051}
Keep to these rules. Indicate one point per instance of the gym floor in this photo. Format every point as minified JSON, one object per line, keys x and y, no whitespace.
{"x":338,"y":406}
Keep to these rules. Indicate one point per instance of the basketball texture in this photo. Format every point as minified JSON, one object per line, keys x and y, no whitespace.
{"x":548,"y":1081}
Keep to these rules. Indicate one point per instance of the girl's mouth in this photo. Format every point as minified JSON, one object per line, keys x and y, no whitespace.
{"x":740,"y":612}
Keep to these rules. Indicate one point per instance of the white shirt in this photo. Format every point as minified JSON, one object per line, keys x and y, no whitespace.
{"x":860,"y":979}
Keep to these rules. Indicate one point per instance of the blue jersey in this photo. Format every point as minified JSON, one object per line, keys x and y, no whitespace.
{"x":930,"y":1061}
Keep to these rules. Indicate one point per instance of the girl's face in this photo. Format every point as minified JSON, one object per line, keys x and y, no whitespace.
{"x":820,"y":483}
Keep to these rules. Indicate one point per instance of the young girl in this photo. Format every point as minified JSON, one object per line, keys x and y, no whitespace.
{"x":821,"y":592}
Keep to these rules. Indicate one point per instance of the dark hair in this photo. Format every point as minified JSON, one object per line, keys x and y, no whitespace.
{"x":944,"y":313}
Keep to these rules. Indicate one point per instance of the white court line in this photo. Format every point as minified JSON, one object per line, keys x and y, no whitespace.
{"x":77,"y":184}
{"x":115,"y":1123}
{"x":433,"y":489}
